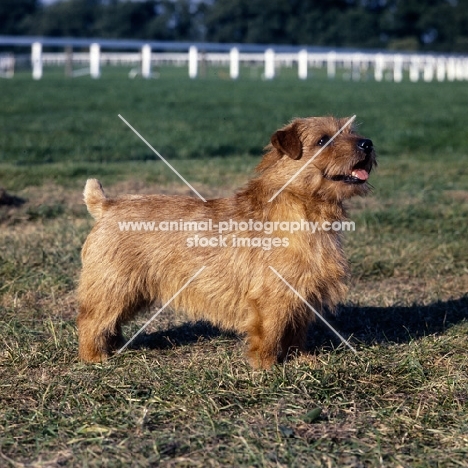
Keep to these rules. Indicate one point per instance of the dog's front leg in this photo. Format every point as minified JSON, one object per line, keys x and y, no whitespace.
{"x":272,"y":333}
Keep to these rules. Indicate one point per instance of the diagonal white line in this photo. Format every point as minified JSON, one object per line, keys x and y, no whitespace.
{"x":161,"y":309}
{"x":314,"y":311}
{"x":310,"y":160}
{"x":162,"y":159}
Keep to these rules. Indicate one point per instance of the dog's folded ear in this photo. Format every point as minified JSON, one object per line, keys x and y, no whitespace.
{"x":287,"y":141}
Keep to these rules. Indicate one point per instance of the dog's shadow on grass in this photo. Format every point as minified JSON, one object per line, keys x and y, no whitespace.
{"x":180,"y":335}
{"x":364,"y":325}
{"x":10,"y":200}
{"x":393,"y":324}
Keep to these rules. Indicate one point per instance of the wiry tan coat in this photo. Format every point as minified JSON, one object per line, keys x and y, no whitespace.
{"x":123,"y":271}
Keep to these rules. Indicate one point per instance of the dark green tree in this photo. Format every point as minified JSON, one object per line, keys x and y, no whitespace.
{"x":16,"y":16}
{"x":126,"y":19}
{"x":440,"y":25}
{"x":74,"y":18}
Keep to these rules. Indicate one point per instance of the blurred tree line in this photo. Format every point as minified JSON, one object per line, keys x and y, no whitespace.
{"x":438,"y":25}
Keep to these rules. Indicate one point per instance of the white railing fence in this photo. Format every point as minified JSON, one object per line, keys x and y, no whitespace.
{"x":354,"y":65}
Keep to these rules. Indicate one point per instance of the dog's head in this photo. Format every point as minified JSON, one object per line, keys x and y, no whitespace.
{"x":333,"y":160}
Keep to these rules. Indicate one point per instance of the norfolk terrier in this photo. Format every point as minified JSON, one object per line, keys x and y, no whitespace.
{"x":146,"y":249}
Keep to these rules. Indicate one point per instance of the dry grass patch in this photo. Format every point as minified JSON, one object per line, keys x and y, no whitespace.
{"x":183,"y":395}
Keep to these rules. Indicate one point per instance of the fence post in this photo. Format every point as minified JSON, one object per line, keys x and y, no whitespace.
{"x":397,"y":68}
{"x":36,"y":60}
{"x":302,"y":64}
{"x":414,"y":69}
{"x":269,"y":64}
{"x":428,"y":74}
{"x":146,"y":61}
{"x":234,"y":63}
{"x":451,"y":69}
{"x":460,"y":71}
{"x":7,"y":66}
{"x":440,"y":69}
{"x":193,"y":62}
{"x":378,"y":67}
{"x":94,"y":60}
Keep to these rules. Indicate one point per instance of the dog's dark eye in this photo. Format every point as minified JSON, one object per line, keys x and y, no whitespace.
{"x":323,"y":141}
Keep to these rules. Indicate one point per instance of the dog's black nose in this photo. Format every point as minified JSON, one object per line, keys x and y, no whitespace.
{"x":366,"y":145}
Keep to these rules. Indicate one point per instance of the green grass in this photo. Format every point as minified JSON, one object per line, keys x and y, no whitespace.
{"x":184,"y":394}
{"x":58,"y":119}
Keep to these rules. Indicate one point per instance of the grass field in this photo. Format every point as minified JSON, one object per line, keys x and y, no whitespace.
{"x":184,"y":395}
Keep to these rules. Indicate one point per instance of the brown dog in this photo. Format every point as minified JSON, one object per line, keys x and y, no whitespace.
{"x":128,"y":266}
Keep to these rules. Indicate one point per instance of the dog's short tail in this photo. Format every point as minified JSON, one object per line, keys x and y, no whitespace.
{"x":94,"y":197}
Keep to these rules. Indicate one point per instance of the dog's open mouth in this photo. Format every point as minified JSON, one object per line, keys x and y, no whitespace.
{"x":358,"y":175}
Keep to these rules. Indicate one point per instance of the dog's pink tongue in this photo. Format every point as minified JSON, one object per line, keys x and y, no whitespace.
{"x":361,"y":174}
